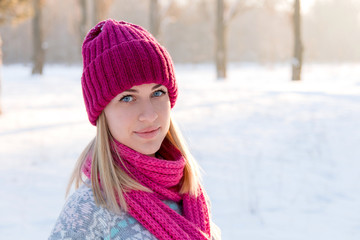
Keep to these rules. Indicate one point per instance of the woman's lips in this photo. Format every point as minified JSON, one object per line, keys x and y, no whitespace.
{"x":148,"y":133}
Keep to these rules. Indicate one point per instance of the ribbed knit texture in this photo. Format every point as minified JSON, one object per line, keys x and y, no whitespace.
{"x":118,"y":56}
{"x":163,"y":177}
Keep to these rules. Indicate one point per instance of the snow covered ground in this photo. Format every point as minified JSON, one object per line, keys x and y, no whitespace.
{"x":280,"y":158}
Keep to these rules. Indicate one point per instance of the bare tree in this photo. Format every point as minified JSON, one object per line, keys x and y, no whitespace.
{"x":84,"y":19}
{"x":224,"y":15}
{"x":155,"y":18}
{"x":220,"y":52}
{"x":13,"y":11}
{"x":100,"y":10}
{"x":38,"y":38}
{"x":158,"y":14}
{"x":1,"y":63}
{"x":298,"y":47}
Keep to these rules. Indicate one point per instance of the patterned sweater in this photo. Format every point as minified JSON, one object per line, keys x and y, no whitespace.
{"x":81,"y":218}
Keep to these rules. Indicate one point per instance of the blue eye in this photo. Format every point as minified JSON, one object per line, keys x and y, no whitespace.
{"x":158,"y":93}
{"x":127,"y":98}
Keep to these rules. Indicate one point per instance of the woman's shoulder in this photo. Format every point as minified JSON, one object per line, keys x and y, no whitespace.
{"x":82,"y":218}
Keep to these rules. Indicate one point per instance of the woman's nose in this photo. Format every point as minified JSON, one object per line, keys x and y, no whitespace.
{"x":148,"y":113}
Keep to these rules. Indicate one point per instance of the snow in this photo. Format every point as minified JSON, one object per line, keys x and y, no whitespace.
{"x":280,"y":158}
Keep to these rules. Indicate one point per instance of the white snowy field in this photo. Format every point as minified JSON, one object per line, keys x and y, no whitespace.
{"x":280,"y":158}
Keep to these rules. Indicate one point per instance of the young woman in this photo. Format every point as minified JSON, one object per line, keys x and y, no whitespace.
{"x":140,"y":180}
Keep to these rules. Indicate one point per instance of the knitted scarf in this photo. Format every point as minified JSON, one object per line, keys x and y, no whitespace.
{"x":163,"y":177}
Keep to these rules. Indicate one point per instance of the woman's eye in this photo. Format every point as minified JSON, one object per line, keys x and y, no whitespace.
{"x":127,"y":99}
{"x":158,"y":93}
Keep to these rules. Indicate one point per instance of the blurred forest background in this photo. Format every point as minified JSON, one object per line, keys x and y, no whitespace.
{"x":258,"y":31}
{"x":281,"y":157}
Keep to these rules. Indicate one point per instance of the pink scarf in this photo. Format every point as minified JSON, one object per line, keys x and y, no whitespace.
{"x":163,"y":178}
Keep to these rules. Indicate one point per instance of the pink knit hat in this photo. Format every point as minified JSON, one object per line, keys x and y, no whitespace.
{"x":118,"y":56}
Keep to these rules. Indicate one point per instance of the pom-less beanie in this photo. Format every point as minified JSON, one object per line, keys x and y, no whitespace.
{"x":118,"y":56}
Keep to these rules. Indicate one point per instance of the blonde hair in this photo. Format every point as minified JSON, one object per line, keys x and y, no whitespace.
{"x":115,"y":181}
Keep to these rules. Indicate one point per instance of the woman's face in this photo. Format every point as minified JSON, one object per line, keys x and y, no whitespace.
{"x":140,"y":117}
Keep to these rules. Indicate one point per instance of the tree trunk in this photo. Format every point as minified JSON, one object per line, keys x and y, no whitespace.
{"x":1,"y":64}
{"x":100,"y":10}
{"x":96,"y":11}
{"x":39,"y":52}
{"x":155,"y":18}
{"x":220,"y":53}
{"x":298,"y":48}
{"x":84,"y":24}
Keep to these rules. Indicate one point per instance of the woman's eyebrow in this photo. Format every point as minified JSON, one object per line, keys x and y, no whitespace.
{"x":134,"y":90}
{"x":156,"y":86}
{"x":131,"y":90}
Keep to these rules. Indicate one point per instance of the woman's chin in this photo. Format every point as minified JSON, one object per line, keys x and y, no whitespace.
{"x":148,"y":150}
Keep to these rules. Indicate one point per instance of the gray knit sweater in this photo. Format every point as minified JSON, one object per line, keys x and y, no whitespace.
{"x":81,"y":218}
